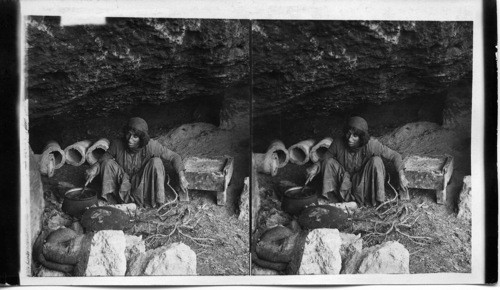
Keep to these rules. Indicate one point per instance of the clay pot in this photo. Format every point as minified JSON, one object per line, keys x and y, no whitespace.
{"x":75,"y":203}
{"x":295,"y":199}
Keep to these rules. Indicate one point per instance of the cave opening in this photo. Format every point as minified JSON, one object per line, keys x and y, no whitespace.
{"x":295,"y":125}
{"x":161,"y":118}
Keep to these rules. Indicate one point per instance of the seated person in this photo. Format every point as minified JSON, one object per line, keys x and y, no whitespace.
{"x":132,"y":169}
{"x":352,"y":169}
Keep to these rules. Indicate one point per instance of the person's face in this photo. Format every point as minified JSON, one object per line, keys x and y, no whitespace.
{"x":352,"y":139}
{"x":133,"y":140}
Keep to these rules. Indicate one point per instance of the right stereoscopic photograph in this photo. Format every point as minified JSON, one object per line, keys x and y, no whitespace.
{"x":361,"y":147}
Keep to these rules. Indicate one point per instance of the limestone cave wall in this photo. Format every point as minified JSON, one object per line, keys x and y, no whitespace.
{"x":319,"y":67}
{"x":76,"y":72}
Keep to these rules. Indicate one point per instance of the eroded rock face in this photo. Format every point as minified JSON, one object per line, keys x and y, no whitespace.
{"x":388,"y":258}
{"x":464,"y":206}
{"x":321,"y":253}
{"x":37,"y":203}
{"x":107,"y":254}
{"x":315,"y":67}
{"x":91,"y":70}
{"x":256,"y":200}
{"x":245,"y":201}
{"x":173,"y":259}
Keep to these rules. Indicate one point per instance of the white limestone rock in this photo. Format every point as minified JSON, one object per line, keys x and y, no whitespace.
{"x":107,"y":254}
{"x":464,"y":205}
{"x":245,"y":201}
{"x":128,"y":208}
{"x":174,"y":259}
{"x":388,"y":258}
{"x":321,"y":253}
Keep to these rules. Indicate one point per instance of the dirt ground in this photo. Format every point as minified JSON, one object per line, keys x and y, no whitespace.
{"x":219,"y":239}
{"x":447,"y":243}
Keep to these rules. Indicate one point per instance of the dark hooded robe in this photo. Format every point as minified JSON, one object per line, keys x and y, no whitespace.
{"x":357,"y":174}
{"x":136,"y":175}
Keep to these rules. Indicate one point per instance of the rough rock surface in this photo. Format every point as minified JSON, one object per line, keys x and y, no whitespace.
{"x":321,"y":253}
{"x":464,"y":206}
{"x":245,"y":201}
{"x":45,"y":272}
{"x":133,"y":246}
{"x":256,"y":200}
{"x":350,"y":240}
{"x":173,"y":259}
{"x":91,"y":70}
{"x":58,"y":220}
{"x":257,"y":270}
{"x":311,"y":67}
{"x":107,"y":254}
{"x":37,"y":202}
{"x":388,"y":258}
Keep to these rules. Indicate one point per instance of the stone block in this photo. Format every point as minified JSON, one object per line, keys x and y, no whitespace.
{"x":388,"y":258}
{"x":173,"y":259}
{"x":107,"y":254}
{"x":321,"y":253}
{"x":211,"y":174}
{"x":429,"y":172}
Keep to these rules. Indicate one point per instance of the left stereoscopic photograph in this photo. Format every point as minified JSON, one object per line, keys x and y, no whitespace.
{"x":137,"y":141}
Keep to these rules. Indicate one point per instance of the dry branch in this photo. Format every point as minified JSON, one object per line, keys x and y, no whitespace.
{"x":393,"y":220}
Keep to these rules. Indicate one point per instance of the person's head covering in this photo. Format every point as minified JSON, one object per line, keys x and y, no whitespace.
{"x":139,"y":127}
{"x":359,"y":126}
{"x":138,"y":124}
{"x":358,"y":123}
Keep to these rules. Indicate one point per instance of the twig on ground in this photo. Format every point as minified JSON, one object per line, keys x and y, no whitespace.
{"x":195,"y":240}
{"x":172,"y":201}
{"x":386,"y":202}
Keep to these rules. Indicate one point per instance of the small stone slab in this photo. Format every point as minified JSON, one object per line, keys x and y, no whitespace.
{"x":429,"y":172}
{"x":210,"y":174}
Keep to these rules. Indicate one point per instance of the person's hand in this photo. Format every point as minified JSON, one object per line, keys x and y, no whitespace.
{"x":403,"y":182}
{"x":91,"y":173}
{"x":183,"y":183}
{"x":312,"y":171}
